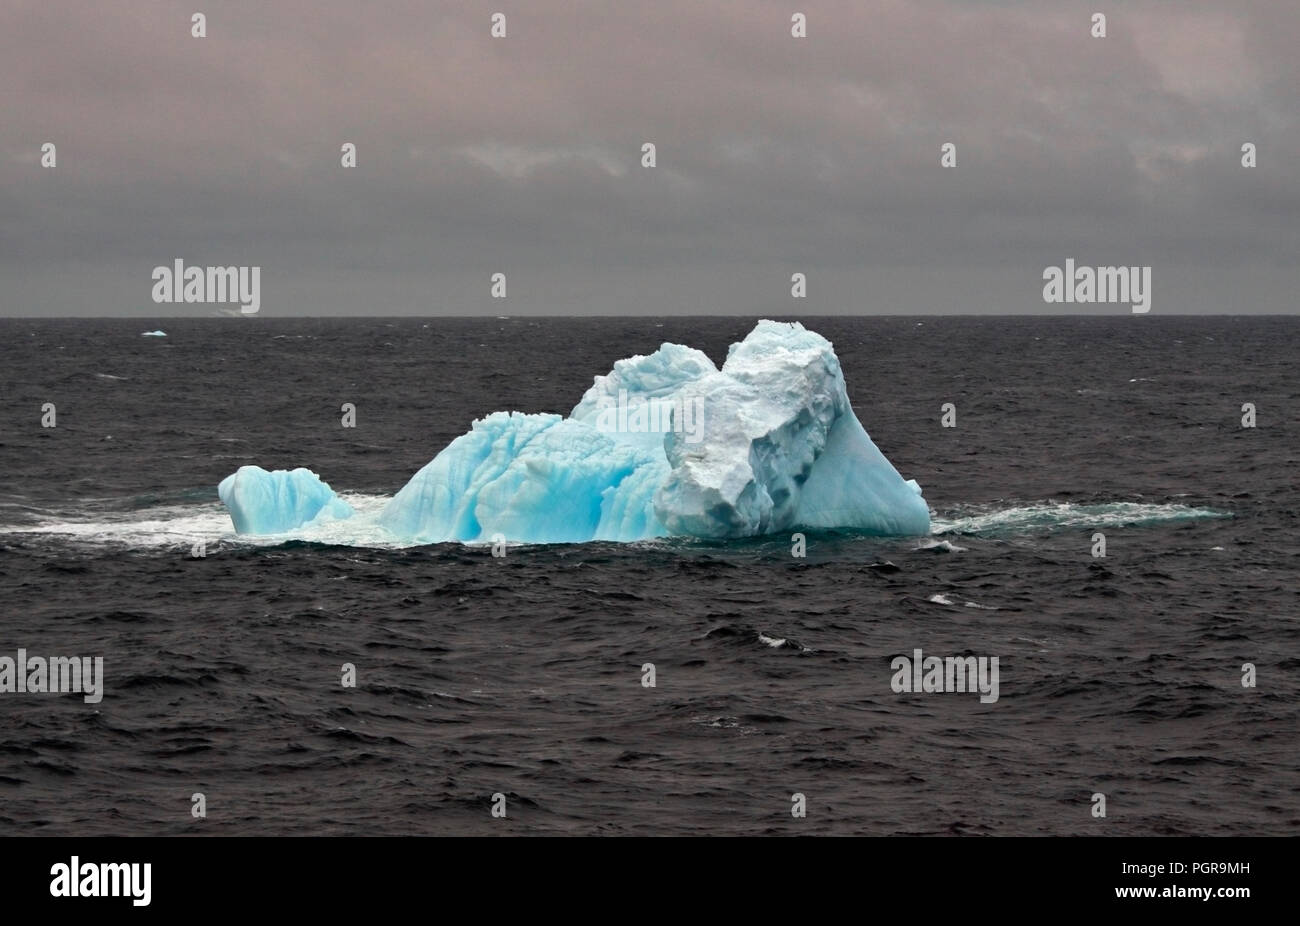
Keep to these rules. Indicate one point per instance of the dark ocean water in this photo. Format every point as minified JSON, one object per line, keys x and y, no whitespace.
{"x":522,"y":675}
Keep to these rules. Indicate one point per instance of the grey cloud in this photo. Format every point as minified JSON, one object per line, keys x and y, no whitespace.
{"x":522,"y":154}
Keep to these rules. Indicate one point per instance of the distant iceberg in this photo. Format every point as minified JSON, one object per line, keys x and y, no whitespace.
{"x":664,"y":445}
{"x":153,"y":334}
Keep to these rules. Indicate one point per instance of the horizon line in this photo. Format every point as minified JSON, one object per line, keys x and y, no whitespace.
{"x":774,"y":316}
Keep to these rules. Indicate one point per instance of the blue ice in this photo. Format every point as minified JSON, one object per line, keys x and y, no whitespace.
{"x":663,"y":445}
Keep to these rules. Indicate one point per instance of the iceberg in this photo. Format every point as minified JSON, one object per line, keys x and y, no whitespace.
{"x":663,"y":445}
{"x":262,"y":502}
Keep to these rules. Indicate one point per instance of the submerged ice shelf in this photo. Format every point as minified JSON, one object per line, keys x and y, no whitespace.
{"x":663,"y":445}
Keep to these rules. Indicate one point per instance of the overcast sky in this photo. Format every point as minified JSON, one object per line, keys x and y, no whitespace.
{"x":522,"y":155}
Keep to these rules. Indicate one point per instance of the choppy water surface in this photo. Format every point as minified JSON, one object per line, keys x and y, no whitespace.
{"x":522,"y":675}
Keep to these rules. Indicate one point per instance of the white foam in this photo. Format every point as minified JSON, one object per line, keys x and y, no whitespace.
{"x":180,"y":526}
{"x":941,"y":546}
{"x":1057,"y":515}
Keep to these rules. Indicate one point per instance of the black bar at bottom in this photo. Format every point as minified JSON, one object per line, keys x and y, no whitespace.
{"x":646,"y":876}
